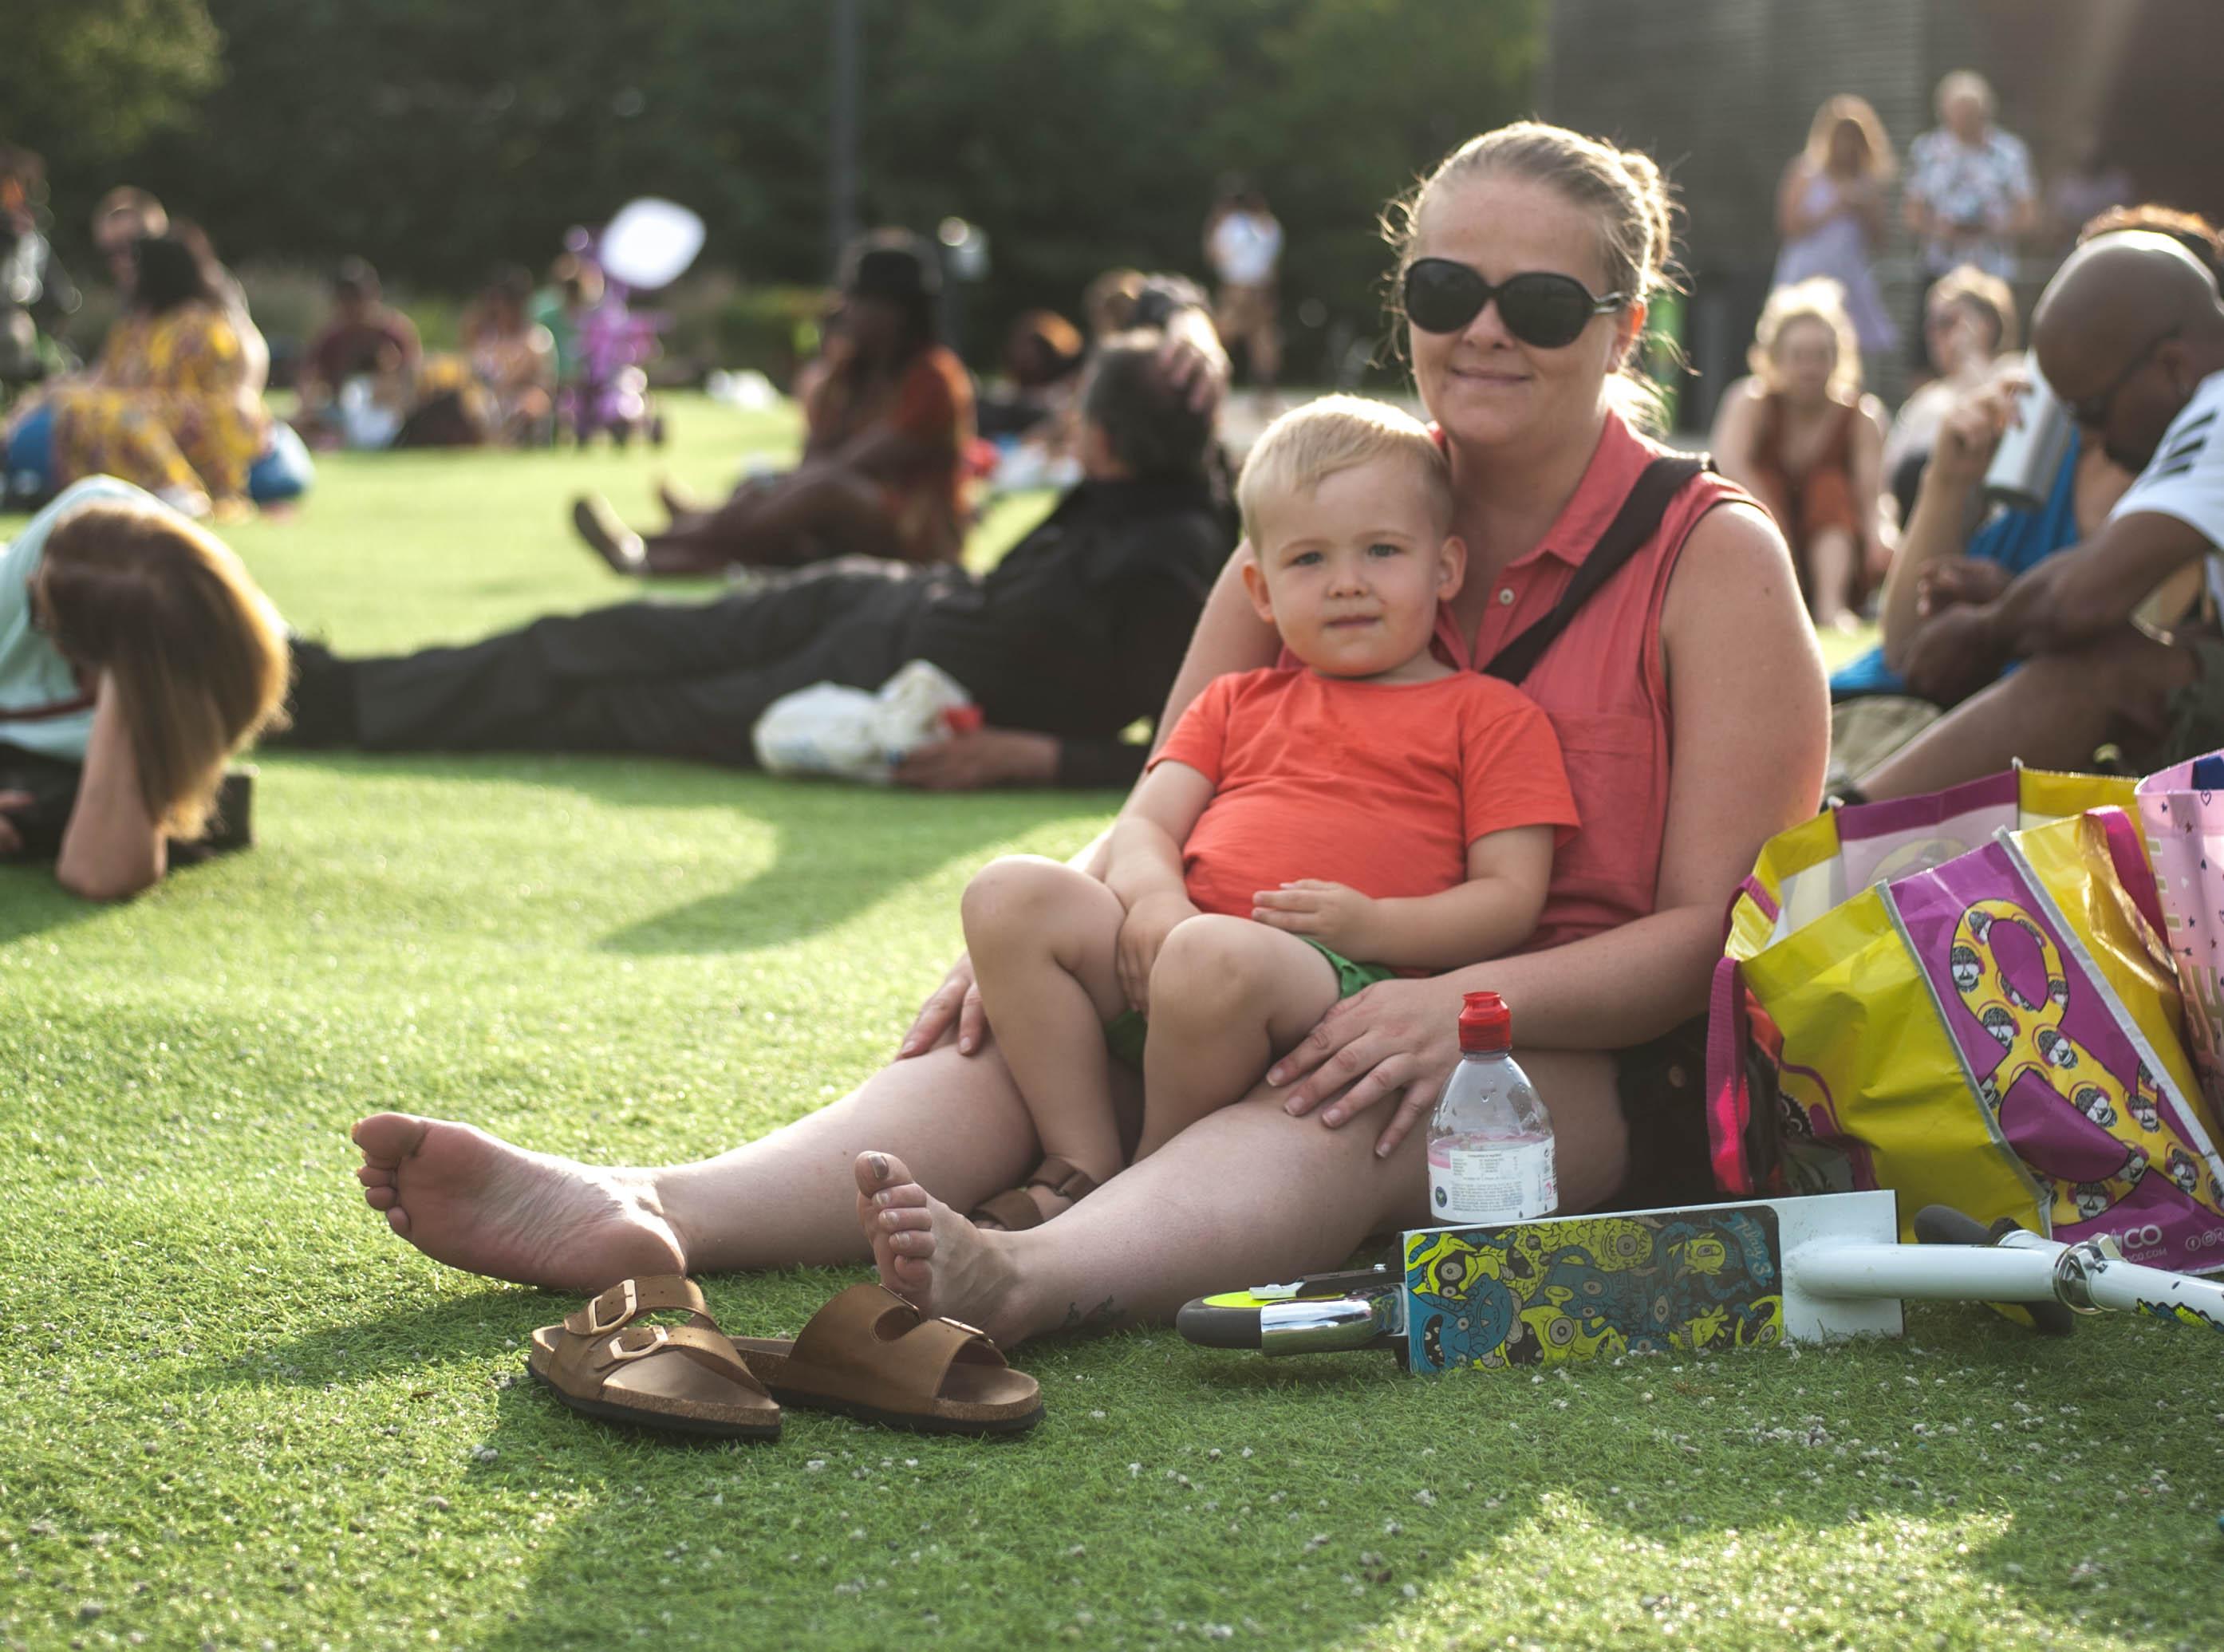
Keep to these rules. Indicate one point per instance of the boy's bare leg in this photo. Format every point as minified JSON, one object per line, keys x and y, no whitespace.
{"x":1228,"y":996}
{"x":1043,"y":938}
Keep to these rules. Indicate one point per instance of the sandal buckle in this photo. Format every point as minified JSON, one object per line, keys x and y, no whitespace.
{"x":658,"y":1336}
{"x":597,"y":1324}
{"x":971,"y":1330}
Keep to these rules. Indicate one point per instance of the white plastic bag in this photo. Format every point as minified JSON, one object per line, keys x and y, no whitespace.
{"x":830,"y":729}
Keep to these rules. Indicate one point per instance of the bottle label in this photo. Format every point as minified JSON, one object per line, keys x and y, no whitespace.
{"x":1481,"y":1187}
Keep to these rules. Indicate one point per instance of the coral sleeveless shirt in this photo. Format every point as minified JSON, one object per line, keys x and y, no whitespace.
{"x":1603,"y":683}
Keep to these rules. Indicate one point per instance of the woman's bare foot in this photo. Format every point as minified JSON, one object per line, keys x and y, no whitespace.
{"x":933,"y":1257}
{"x":475,"y":1202}
{"x":618,"y":544}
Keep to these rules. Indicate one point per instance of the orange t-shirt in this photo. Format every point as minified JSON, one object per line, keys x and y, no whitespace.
{"x":1381,"y":786}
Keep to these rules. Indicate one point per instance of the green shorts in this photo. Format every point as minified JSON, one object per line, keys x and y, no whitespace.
{"x":1124,"y":1033}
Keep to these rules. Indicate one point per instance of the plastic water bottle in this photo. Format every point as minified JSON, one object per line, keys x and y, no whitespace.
{"x":1490,"y":1139}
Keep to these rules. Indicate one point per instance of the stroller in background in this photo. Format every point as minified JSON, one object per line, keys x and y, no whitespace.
{"x":645,"y":247}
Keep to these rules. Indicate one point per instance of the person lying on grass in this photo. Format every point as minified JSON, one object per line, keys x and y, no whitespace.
{"x":1358,"y":811}
{"x":1074,"y":635}
{"x":136,"y":657}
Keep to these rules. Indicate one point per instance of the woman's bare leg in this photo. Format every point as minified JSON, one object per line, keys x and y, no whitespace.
{"x":1246,"y":1194}
{"x":477,"y":1203}
{"x":1043,"y":938}
{"x":1831,"y":555}
{"x":1228,"y":996}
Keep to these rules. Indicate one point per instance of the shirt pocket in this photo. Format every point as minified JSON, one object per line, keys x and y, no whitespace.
{"x":1614,"y":858}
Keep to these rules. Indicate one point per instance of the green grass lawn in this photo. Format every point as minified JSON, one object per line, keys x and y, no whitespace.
{"x":238,"y":1413}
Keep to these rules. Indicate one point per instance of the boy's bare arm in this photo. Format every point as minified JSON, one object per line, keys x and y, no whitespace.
{"x":1144,"y":870}
{"x":1486,"y":916}
{"x":1143,"y":856}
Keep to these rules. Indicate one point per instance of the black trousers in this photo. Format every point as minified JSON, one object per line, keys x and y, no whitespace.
{"x":667,"y":679}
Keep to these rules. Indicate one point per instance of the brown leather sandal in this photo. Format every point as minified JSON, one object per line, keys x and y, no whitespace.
{"x":685,"y":1378}
{"x":1012,"y":1210}
{"x":868,"y":1353}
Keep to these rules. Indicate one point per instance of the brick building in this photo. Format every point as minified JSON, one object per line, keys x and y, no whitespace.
{"x":1720,"y":93}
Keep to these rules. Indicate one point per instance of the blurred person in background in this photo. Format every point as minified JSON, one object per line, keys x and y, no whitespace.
{"x":1970,"y":196}
{"x":367,"y":340}
{"x":136,"y":656}
{"x":125,"y":216}
{"x":1954,"y":554}
{"x":1800,"y":436}
{"x":886,"y":426}
{"x":172,"y":405}
{"x":1243,"y":247}
{"x":513,"y":359}
{"x":33,"y":288}
{"x":1969,"y":324}
{"x":1830,"y":211}
{"x":1043,"y":355}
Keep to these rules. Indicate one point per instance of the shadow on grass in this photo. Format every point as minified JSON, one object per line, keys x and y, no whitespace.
{"x":32,"y":903}
{"x":838,"y":849}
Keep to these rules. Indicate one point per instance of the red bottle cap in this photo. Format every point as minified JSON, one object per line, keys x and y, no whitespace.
{"x":1485,"y":1025}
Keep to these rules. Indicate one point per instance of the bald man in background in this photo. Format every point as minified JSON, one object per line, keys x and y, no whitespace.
{"x":2130,"y":333}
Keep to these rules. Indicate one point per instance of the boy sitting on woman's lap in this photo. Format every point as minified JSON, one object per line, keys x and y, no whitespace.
{"x":1361,"y":810}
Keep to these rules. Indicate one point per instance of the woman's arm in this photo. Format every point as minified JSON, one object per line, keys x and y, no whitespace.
{"x":1938,"y":527}
{"x":1793,"y":220}
{"x":1868,"y":485}
{"x":111,"y":849}
{"x":1749,"y":713}
{"x":1229,"y":637}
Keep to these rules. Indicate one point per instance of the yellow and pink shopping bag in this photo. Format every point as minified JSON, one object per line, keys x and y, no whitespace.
{"x":1965,"y":998}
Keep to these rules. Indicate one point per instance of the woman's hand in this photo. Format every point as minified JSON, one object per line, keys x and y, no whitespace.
{"x":984,"y":758}
{"x":1331,"y":913}
{"x":1150,"y":920}
{"x":955,"y":1003}
{"x":1396,"y":1039}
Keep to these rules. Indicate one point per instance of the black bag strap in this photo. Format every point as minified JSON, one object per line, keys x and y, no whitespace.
{"x":1637,"y":522}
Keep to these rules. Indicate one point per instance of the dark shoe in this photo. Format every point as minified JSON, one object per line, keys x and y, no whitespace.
{"x":231,"y":827}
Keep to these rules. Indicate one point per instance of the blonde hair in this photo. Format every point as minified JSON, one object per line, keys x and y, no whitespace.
{"x":1848,"y":110}
{"x":1816,"y":299}
{"x":1960,"y":83}
{"x":1622,"y":190}
{"x":196,"y":654}
{"x":1983,"y":293}
{"x":1308,"y":444}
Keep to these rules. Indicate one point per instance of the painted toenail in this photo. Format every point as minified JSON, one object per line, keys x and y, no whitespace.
{"x":879,"y":1164}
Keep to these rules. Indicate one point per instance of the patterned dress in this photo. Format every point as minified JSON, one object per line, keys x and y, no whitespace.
{"x":171,"y":409}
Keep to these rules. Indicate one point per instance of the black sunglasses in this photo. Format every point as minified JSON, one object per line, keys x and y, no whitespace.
{"x":1540,"y":308}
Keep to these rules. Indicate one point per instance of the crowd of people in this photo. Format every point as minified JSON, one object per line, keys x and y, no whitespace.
{"x":1406,"y":746}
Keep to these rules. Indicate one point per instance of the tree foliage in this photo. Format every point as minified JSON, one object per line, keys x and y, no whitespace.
{"x":85,"y":81}
{"x":439,"y":139}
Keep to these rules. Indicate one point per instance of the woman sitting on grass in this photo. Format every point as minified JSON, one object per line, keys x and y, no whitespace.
{"x":136,"y":657}
{"x":886,"y":428}
{"x":1689,"y":701}
{"x":172,"y":405}
{"x":1804,"y":439}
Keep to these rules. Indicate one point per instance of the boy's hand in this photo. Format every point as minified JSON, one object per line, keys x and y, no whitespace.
{"x":1149,"y":921}
{"x":1331,"y":913}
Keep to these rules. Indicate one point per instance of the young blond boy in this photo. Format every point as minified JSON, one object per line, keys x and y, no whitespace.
{"x":1359,"y":811}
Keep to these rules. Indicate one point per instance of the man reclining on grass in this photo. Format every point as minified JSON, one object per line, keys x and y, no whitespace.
{"x":1076,"y":634}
